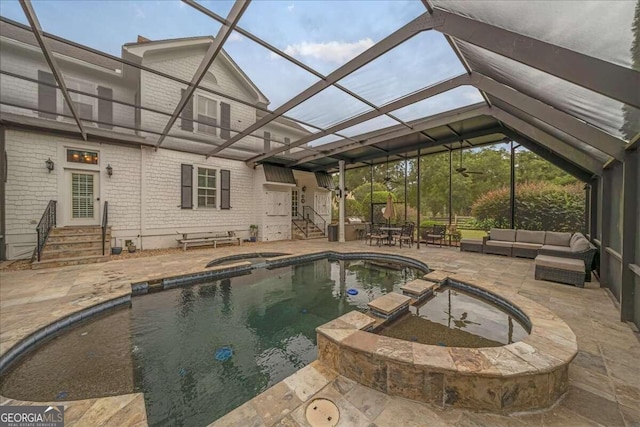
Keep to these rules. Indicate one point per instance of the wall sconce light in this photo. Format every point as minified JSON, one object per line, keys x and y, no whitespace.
{"x":50,"y":164}
{"x":109,"y":170}
{"x":304,"y":188}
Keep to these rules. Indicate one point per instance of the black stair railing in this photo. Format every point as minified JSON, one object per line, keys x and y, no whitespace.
{"x":47,"y":222}
{"x":105,"y":221}
{"x":299,"y":217}
{"x":318,"y":220}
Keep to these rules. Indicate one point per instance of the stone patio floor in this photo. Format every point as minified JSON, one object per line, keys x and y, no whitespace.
{"x":604,"y":377}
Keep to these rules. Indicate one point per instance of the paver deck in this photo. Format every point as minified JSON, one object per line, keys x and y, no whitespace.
{"x":604,"y":377}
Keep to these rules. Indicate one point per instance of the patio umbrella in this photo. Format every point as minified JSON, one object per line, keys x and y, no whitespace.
{"x":389,"y":210}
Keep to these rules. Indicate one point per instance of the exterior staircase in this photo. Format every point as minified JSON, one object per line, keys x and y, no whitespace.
{"x":314,"y":231}
{"x":73,"y":246}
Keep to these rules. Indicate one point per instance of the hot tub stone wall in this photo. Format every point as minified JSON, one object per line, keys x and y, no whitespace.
{"x":524,"y":376}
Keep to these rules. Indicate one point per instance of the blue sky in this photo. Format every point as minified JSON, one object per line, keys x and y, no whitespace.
{"x":322,"y":34}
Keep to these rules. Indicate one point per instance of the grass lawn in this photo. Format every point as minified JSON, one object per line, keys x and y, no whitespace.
{"x":473,"y":234}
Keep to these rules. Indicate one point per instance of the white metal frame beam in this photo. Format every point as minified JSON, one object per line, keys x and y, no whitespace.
{"x":421,"y":23}
{"x":27,"y":7}
{"x":606,"y":78}
{"x":224,"y":32}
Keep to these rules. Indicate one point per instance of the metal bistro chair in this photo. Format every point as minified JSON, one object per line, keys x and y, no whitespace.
{"x":438,"y":233}
{"x":405,"y":235}
{"x":378,"y":235}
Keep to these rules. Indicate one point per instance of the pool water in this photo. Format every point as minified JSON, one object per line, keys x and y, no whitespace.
{"x":453,"y":318}
{"x":198,"y":352}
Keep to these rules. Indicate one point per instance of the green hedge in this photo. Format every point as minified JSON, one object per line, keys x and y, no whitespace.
{"x":539,"y":206}
{"x":378,"y":197}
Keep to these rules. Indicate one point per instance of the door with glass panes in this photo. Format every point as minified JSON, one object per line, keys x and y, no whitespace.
{"x":83,"y":197}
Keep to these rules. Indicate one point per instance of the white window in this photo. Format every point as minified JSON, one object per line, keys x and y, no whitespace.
{"x":86,"y":106}
{"x":207,"y":186}
{"x":207,"y":115}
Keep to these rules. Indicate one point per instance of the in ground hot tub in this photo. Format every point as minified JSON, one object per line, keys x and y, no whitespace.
{"x":528,"y":371}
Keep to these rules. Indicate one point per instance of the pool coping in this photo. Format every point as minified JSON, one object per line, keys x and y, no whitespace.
{"x":73,"y":317}
{"x":527,"y":375}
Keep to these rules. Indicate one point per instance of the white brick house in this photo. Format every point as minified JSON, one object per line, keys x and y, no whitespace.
{"x":151,"y":193}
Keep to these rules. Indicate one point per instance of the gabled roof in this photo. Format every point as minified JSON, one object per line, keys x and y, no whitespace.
{"x":140,"y":48}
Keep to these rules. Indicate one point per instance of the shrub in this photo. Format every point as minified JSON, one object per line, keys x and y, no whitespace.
{"x":353,"y":208}
{"x":539,"y":206}
{"x":378,"y":197}
{"x":428,"y":223}
{"x":361,"y":191}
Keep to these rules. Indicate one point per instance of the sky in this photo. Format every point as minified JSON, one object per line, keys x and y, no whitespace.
{"x":321,"y":34}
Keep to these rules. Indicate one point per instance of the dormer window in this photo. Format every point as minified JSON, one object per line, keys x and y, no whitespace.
{"x":207,"y":115}
{"x":85,"y":105}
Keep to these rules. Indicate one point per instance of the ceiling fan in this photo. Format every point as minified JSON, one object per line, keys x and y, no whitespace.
{"x":462,"y":170}
{"x":387,"y":179}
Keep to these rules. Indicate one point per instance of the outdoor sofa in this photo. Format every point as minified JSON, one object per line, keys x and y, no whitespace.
{"x":531,"y":244}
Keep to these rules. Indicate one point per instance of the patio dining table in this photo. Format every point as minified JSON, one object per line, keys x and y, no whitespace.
{"x":390,"y":231}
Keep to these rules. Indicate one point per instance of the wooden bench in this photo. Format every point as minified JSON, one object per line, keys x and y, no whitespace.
{"x":206,"y":238}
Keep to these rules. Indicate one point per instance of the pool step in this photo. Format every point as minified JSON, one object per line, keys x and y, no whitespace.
{"x":418,"y":290}
{"x":389,"y":306}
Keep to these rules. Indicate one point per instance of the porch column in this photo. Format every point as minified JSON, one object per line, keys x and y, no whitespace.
{"x":341,"y":205}
{"x":629,"y":309}
{"x":418,"y":206}
{"x":512,"y":187}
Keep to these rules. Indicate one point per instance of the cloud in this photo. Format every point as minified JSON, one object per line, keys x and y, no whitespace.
{"x":139,"y":12}
{"x":235,"y":37}
{"x":291,"y":7}
{"x":337,"y":52}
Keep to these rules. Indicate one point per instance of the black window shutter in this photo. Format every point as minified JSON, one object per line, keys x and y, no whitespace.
{"x":186,"y":201}
{"x":267,"y":142}
{"x":225,"y":120}
{"x":47,"y":95}
{"x":225,"y":189}
{"x":187,"y":115}
{"x":105,"y":107}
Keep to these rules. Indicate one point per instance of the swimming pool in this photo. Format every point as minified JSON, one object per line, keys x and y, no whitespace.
{"x":173,"y":345}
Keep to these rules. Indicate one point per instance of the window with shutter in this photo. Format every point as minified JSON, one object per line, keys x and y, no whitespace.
{"x":105,"y":107}
{"x":186,"y":197}
{"x":206,"y":188}
{"x":186,"y":117}
{"x":207,"y":115}
{"x":225,"y":120}
{"x":225,"y":189}
{"x":85,"y":105}
{"x":47,"y":95}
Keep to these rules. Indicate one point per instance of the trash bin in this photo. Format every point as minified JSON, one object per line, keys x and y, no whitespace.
{"x":332,"y":232}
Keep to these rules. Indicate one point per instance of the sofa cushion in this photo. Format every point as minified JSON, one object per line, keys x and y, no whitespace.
{"x":559,"y":263}
{"x":524,"y":245}
{"x":527,"y":236}
{"x":580,"y":244}
{"x":557,"y":239}
{"x":499,"y":243}
{"x":566,"y":249}
{"x":575,"y":237}
{"x":503,"y":235}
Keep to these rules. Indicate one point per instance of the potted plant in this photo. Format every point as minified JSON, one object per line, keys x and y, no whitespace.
{"x":116,"y":250}
{"x":131,"y":247}
{"x":253,"y":232}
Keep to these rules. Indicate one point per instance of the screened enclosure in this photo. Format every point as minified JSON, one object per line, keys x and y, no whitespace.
{"x":432,"y":80}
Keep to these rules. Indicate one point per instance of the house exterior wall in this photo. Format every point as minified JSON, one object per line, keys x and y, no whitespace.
{"x":26,"y":61}
{"x":144,"y":192}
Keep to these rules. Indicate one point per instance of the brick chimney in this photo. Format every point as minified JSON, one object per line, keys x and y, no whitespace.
{"x":142,"y":39}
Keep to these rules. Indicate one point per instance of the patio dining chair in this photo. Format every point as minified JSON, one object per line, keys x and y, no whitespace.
{"x":436,"y":234}
{"x":378,"y":235}
{"x":406,"y":235}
